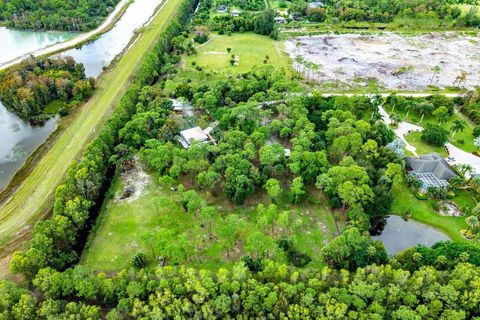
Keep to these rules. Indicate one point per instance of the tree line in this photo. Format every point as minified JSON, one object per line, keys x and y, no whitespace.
{"x":33,"y":88}
{"x":66,"y":15}
{"x":385,"y":12}
{"x":277,"y":292}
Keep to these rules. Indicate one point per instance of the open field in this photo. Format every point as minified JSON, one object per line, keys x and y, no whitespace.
{"x":249,"y":49}
{"x":423,"y":211}
{"x":122,"y":224}
{"x":33,"y":199}
{"x":393,"y":61}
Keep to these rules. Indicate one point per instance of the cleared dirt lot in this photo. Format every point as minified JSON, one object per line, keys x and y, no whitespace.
{"x":394,"y":61}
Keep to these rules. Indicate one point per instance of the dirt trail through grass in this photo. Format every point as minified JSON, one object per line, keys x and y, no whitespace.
{"x":34,"y":197}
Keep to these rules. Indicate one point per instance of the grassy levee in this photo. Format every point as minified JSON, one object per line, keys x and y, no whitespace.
{"x":34,"y":197}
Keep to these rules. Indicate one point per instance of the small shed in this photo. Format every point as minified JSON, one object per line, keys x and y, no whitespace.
{"x":235,"y":13}
{"x":280,"y":20}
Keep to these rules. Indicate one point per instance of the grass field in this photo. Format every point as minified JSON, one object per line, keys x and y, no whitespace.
{"x":34,"y":197}
{"x":249,"y":49}
{"x":120,"y":226}
{"x":423,"y":147}
{"x":422,"y":211}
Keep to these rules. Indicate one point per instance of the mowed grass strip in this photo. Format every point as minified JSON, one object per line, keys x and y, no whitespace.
{"x":34,"y":197}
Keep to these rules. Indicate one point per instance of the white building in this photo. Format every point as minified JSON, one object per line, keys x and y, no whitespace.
{"x":195,"y":134}
{"x":235,"y":13}
{"x":280,"y":20}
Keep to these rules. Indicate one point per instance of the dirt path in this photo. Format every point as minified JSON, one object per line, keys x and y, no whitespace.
{"x":62,"y":46}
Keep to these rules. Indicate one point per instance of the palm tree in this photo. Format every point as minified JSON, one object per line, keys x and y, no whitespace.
{"x":436,"y":70}
{"x":425,"y":108}
{"x":458,"y":125}
{"x":456,"y":183}
{"x":409,"y":106}
{"x":472,"y":222}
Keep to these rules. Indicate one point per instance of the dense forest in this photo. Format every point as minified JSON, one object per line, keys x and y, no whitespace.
{"x":36,"y":89}
{"x":277,"y":292}
{"x":67,"y":15}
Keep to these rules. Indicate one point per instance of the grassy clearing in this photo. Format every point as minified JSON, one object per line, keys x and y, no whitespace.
{"x":423,"y":147}
{"x":120,"y":226}
{"x":34,"y":197}
{"x":249,"y":49}
{"x":422,"y":211}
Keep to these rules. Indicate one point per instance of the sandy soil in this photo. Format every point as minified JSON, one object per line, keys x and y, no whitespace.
{"x":72,"y":42}
{"x":135,"y":178}
{"x":395,"y":61}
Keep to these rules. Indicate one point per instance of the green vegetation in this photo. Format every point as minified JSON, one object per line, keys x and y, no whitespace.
{"x":248,"y":50}
{"x":125,"y":227}
{"x":68,"y":15}
{"x":241,"y":196}
{"x":37,"y":89}
{"x":33,"y":198}
{"x":423,"y":211}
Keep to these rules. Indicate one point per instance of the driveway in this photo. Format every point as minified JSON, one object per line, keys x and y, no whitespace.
{"x":462,"y":157}
{"x":403,"y":129}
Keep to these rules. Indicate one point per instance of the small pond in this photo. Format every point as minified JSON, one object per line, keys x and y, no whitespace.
{"x":18,"y":140}
{"x":399,"y":235}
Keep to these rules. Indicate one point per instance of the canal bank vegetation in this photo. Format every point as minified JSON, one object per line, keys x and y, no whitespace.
{"x":38,"y":89}
{"x":65,"y":15}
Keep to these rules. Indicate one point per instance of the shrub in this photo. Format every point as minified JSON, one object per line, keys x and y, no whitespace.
{"x":435,"y":134}
{"x":139,"y":260}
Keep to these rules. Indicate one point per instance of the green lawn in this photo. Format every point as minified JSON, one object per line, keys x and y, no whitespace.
{"x":423,"y":147}
{"x":120,"y":226}
{"x":249,"y":49}
{"x":422,"y":210}
{"x":462,"y":139}
{"x":33,"y":199}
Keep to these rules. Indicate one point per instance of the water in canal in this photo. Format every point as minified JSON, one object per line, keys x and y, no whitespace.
{"x":17,"y":43}
{"x":18,"y":139}
{"x":98,"y":54}
{"x":399,"y":235}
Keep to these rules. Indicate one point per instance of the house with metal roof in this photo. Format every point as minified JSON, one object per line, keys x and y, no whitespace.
{"x":316,"y":4}
{"x":431,"y":169}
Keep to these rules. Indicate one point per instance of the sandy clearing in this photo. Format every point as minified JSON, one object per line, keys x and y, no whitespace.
{"x":72,"y":42}
{"x":396,"y":62}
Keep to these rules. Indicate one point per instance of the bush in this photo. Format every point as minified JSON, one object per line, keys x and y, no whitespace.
{"x":420,"y":195}
{"x":435,"y":135}
{"x":139,"y":260}
{"x":298,"y":259}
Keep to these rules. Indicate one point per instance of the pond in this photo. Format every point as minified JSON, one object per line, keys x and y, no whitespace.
{"x":16,"y":43}
{"x":18,"y":140}
{"x":98,"y":54}
{"x":399,"y":235}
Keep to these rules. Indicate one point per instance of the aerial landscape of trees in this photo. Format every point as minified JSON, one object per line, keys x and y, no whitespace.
{"x":67,"y":15}
{"x":270,"y":213}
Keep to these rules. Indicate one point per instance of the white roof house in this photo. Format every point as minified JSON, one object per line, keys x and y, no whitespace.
{"x":235,"y":12}
{"x":194,"y":134}
{"x":316,"y":4}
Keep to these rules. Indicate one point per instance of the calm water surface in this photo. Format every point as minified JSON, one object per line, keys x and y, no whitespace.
{"x":399,"y":235}
{"x":18,"y":139}
{"x":98,"y":54}
{"x":16,"y":43}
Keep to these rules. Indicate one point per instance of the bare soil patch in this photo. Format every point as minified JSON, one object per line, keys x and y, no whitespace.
{"x":395,"y":61}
